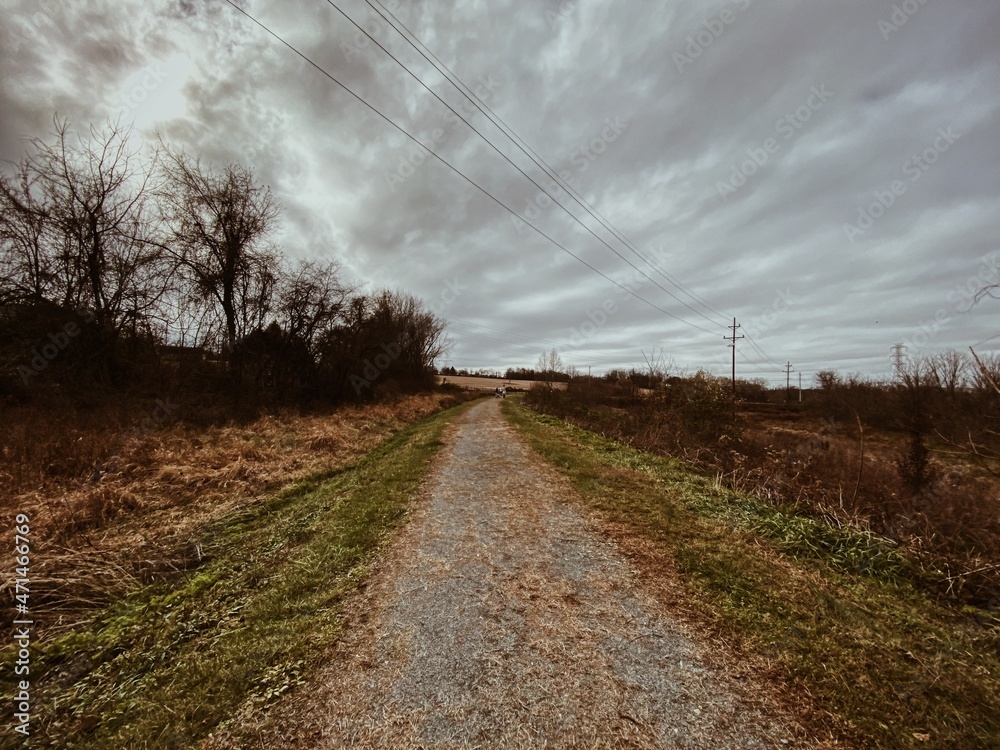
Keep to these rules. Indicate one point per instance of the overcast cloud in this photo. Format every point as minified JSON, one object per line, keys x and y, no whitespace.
{"x":824,"y":172}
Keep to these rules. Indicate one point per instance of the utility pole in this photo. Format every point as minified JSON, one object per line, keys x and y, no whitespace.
{"x":788,"y":378}
{"x":800,"y":387}
{"x":732,"y":339}
{"x":898,"y":359}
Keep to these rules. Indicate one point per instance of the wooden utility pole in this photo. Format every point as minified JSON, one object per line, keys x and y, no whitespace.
{"x":800,"y":387}
{"x":788,"y":382}
{"x":732,"y":342}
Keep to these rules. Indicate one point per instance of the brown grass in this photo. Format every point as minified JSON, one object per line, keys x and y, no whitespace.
{"x":558,"y":645}
{"x":111,"y":507}
{"x":951,"y":525}
{"x":874,"y":662}
{"x":473,"y":382}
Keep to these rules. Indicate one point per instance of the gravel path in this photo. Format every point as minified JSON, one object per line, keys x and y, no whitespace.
{"x":500,"y":618}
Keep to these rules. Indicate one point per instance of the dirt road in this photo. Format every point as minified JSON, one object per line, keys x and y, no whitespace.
{"x":500,"y":618}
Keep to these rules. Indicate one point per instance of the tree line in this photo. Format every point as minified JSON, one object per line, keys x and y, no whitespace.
{"x":122,"y":264}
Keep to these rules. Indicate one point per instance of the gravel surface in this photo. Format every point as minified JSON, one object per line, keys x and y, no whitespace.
{"x":501,"y":618}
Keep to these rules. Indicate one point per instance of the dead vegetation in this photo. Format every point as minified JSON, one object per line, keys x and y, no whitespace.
{"x":116,"y":501}
{"x":859,"y":458}
{"x":865,"y":659}
{"x":929,"y":500}
{"x":499,"y":618}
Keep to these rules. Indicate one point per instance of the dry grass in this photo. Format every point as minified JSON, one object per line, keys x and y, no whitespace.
{"x":163,"y":665}
{"x":794,"y":599}
{"x":473,"y":382}
{"x":499,"y":619}
{"x":112,"y":507}
{"x":950,"y":525}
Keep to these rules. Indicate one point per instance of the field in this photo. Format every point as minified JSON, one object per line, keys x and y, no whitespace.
{"x":165,"y":662}
{"x":820,"y":609}
{"x":117,"y":500}
{"x":489,"y":384}
{"x":192,"y":567}
{"x":923,"y":495}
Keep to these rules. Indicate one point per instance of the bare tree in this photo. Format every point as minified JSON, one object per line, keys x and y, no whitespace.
{"x":985,"y":380}
{"x":27,"y":269}
{"x":77,"y":229}
{"x":986,"y":373}
{"x":827,"y":380}
{"x":400,"y":317}
{"x":311,"y":299}
{"x":548,"y":366}
{"x":659,"y":367}
{"x":990,"y":290}
{"x":915,"y":373}
{"x":948,"y":370}
{"x":220,"y":225}
{"x":380,"y":338}
{"x":550,"y":363}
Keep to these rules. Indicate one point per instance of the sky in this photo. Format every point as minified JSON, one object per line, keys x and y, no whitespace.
{"x":826,"y":173}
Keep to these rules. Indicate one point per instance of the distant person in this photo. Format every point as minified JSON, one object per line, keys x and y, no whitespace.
{"x":503,"y":392}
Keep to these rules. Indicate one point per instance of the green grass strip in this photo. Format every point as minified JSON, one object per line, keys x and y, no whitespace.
{"x":173,"y":661}
{"x":829,"y":609}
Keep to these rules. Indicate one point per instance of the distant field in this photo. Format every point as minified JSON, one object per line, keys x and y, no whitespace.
{"x":489,"y":383}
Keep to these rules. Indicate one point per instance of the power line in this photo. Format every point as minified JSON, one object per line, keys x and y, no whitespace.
{"x":461,"y":174}
{"x":987,"y":339}
{"x":510,"y":161}
{"x":483,"y":190}
{"x":755,"y":365}
{"x":761,"y":352}
{"x":483,"y":107}
{"x":470,"y":95}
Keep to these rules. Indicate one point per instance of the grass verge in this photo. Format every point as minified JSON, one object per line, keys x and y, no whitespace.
{"x":172,"y":661}
{"x":827,"y":612}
